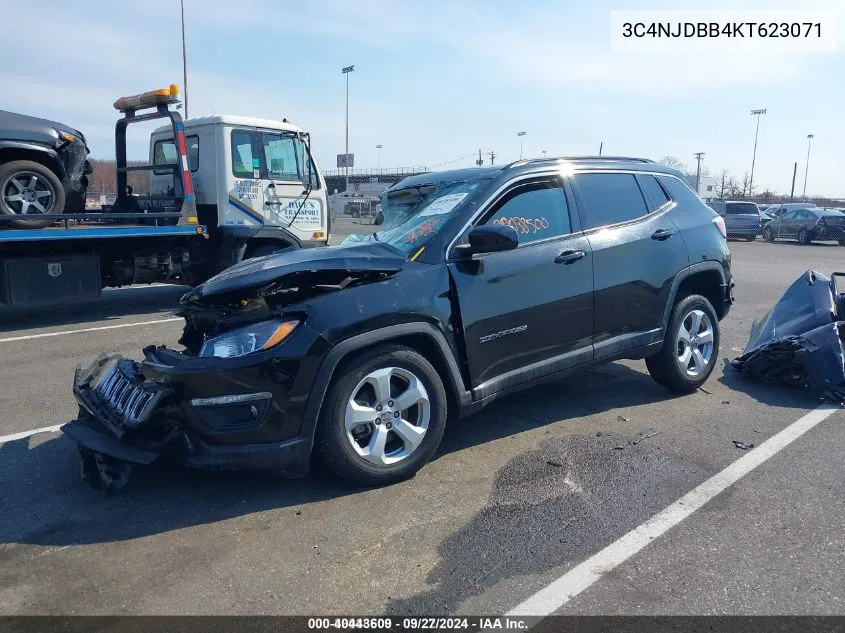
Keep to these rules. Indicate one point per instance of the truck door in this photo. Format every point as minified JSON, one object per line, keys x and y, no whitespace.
{"x":282,"y":189}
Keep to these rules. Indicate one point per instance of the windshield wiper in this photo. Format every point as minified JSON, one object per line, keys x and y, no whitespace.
{"x":375,"y":236}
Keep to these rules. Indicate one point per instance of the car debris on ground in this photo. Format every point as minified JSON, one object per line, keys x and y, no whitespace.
{"x":799,"y":342}
{"x":743,"y":445}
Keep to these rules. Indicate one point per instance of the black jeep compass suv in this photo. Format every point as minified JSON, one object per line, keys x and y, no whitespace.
{"x":481,"y":282}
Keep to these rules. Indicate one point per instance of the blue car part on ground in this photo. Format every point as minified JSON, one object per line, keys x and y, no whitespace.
{"x":800,"y":340}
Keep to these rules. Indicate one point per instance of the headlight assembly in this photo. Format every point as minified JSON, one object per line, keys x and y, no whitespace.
{"x":248,"y":339}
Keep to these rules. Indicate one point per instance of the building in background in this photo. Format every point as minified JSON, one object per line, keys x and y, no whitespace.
{"x":707,"y":186}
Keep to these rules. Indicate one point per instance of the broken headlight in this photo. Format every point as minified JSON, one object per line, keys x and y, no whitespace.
{"x":249,"y":339}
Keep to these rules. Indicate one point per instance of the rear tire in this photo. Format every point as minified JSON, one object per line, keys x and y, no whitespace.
{"x":750,"y":238}
{"x":17,"y":196}
{"x":842,"y":241}
{"x":804,"y":237}
{"x":357,"y":390}
{"x":667,"y":367}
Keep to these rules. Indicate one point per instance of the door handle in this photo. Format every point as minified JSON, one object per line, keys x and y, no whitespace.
{"x":662,"y":234}
{"x":568,"y":257}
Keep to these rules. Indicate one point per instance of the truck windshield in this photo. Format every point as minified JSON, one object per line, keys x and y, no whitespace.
{"x":414,"y":214}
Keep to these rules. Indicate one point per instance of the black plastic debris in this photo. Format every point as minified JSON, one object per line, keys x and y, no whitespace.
{"x":743,"y":445}
{"x":799,"y":342}
{"x":552,"y":462}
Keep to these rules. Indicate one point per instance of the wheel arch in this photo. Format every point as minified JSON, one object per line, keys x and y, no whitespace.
{"x":704,"y":278}
{"x":419,"y":336}
{"x":11,"y":151}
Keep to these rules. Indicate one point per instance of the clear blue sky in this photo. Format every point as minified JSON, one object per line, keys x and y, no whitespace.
{"x":435,"y":81}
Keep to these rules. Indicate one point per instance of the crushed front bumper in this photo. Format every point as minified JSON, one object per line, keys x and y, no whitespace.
{"x":220,"y":414}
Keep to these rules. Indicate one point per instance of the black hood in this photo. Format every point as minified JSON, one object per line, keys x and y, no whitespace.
{"x":22,"y":127}
{"x":327,"y":266}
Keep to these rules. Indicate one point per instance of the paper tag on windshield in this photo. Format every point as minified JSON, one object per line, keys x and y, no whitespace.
{"x":444,"y":204}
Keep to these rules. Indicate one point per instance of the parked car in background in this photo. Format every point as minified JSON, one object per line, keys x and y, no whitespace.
{"x":807,"y":226}
{"x":43,"y":168}
{"x":777,"y":209}
{"x":743,"y":220}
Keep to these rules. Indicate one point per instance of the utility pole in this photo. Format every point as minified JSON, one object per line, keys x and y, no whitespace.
{"x":346,"y":70}
{"x":480,"y":160}
{"x":521,"y":136}
{"x":807,"y":165}
{"x":544,"y":153}
{"x":601,"y":145}
{"x":184,"y":58}
{"x":492,"y":155}
{"x":794,"y":172}
{"x":698,"y":156}
{"x":756,"y":113}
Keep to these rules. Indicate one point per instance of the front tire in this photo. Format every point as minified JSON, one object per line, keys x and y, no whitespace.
{"x":768,"y":234}
{"x":690,"y":347}
{"x":383,"y":416}
{"x":29,"y":189}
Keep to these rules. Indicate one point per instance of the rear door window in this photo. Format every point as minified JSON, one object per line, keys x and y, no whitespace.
{"x":610,"y":198}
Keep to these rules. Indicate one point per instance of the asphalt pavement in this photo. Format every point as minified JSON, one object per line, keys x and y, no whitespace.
{"x":517,"y":496}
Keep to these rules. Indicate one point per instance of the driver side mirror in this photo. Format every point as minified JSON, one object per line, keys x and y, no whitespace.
{"x":305,"y":167}
{"x":492,"y":238}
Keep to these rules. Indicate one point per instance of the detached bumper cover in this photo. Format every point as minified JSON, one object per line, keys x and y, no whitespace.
{"x":801,"y":340}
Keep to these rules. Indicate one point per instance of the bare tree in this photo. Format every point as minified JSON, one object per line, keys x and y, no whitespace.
{"x":723,"y":184}
{"x":747,"y":188}
{"x":674,"y":163}
{"x":734,"y":188}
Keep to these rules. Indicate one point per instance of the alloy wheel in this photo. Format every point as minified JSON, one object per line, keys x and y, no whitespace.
{"x":387,"y":415}
{"x":695,"y":343}
{"x":28,"y":193}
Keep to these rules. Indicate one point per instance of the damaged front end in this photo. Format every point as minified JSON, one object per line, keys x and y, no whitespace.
{"x":801,"y":340}
{"x":235,"y":397}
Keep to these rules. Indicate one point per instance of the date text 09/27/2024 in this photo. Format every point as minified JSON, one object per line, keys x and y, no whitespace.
{"x":419,"y":623}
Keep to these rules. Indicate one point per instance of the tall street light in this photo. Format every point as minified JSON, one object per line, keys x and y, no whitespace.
{"x":184,"y":58}
{"x":521,"y":136}
{"x":756,"y":113}
{"x":807,"y":164}
{"x":378,"y":147}
{"x":346,"y":70}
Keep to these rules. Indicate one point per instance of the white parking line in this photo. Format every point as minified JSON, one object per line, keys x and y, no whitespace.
{"x":582,"y":576}
{"x":87,"y":329}
{"x":25,"y":434}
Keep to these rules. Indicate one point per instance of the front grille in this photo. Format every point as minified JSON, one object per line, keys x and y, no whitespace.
{"x":126,"y":396}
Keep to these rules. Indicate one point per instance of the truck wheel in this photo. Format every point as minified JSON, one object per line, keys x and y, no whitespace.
{"x":29,"y":189}
{"x":103,"y":472}
{"x":383,"y":416}
{"x":690,"y":347}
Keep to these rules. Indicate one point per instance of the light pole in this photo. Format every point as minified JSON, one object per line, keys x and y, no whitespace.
{"x":184,"y":58}
{"x":756,"y":113}
{"x":378,"y":147}
{"x":698,"y":156}
{"x":521,"y":135}
{"x":544,"y":153}
{"x":807,"y":164}
{"x":346,"y":70}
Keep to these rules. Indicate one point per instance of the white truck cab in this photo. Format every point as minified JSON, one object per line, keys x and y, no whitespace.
{"x":255,"y":180}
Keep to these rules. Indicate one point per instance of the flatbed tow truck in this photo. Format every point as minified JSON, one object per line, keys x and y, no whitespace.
{"x":165,"y":236}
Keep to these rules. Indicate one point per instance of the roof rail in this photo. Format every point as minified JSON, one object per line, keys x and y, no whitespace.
{"x":553,"y":159}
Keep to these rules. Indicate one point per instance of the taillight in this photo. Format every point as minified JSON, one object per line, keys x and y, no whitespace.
{"x":719,"y":221}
